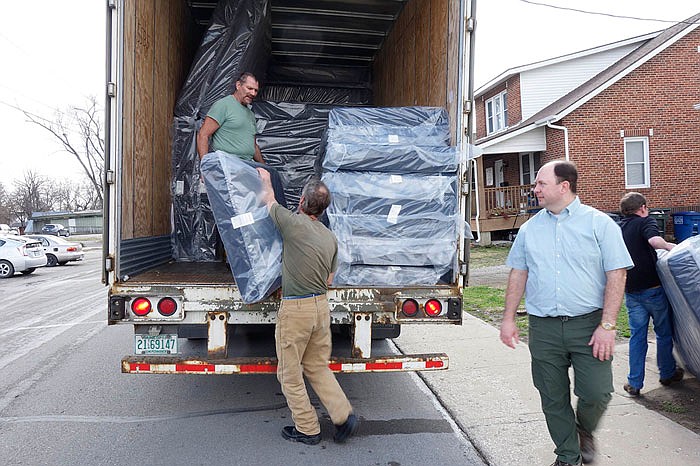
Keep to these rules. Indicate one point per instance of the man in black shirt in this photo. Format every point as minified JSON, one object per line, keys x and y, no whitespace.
{"x":644,"y":295}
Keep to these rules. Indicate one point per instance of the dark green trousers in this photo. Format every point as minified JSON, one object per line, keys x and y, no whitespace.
{"x":557,"y":343}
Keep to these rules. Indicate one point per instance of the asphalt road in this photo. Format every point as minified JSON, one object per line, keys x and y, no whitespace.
{"x":63,"y":399}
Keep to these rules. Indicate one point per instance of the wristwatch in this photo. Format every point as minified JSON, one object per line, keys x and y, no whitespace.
{"x":608,"y":326}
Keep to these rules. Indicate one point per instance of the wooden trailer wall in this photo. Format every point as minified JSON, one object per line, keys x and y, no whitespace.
{"x":419,"y":63}
{"x":159,"y":43}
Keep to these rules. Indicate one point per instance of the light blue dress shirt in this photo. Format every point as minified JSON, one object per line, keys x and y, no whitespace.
{"x":566,"y":257}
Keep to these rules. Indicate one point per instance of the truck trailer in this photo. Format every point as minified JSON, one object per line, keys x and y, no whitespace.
{"x":165,"y":270}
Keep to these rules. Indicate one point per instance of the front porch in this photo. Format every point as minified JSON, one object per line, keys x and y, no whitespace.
{"x":502,"y":209}
{"x":504,"y":201}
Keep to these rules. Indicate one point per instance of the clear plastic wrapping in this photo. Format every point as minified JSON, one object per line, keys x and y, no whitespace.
{"x":679,"y":271}
{"x":378,"y":275}
{"x":370,"y":250}
{"x":418,"y":126}
{"x":251,"y":239}
{"x":392,"y":196}
{"x":395,"y":198}
{"x":390,"y":158}
{"x":404,"y":219}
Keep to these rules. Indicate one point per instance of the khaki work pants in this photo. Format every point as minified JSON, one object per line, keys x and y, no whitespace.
{"x":303,"y":343}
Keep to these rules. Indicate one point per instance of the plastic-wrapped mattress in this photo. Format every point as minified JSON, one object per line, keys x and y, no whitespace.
{"x":679,"y":271}
{"x":252,"y":242}
{"x":370,"y":250}
{"x":390,"y":195}
{"x":387,"y":158}
{"x":395,"y":200}
{"x":378,"y":275}
{"x":419,"y":126}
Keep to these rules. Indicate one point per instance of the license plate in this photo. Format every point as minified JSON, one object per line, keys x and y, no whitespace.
{"x":155,"y":344}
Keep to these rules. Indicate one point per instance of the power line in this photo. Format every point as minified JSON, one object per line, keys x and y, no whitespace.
{"x":610,"y":15}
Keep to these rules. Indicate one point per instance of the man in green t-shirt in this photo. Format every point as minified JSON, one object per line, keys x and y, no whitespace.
{"x":230,"y":125}
{"x":303,"y":328}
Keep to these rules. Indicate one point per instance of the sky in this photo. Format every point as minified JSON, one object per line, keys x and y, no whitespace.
{"x":52,"y":56}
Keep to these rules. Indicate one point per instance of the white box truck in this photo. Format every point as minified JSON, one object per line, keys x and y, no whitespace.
{"x":408,"y":53}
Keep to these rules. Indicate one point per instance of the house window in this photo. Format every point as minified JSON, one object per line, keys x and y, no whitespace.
{"x":497,"y":113}
{"x":529,"y":163}
{"x":637,"y":162}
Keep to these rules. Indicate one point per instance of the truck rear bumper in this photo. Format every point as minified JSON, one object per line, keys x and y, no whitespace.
{"x":251,"y":365}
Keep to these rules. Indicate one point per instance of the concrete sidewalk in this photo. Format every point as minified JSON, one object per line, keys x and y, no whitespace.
{"x":488,"y":390}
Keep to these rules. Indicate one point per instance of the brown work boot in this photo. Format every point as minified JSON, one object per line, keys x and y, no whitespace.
{"x":676,"y":377}
{"x":587,"y":444}
{"x":633,"y":392}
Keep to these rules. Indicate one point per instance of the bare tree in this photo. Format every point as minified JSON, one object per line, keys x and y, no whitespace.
{"x":5,"y":207}
{"x":72,"y":196}
{"x":81,"y":133}
{"x":29,"y":195}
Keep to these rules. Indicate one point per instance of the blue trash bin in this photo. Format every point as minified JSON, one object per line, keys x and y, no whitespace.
{"x":685,"y":225}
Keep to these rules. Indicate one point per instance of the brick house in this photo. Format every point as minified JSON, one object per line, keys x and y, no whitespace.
{"x":627,"y":113}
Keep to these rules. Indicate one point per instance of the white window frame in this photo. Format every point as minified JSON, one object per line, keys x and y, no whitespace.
{"x":533,"y":172}
{"x":647,"y":179}
{"x":497,"y":121}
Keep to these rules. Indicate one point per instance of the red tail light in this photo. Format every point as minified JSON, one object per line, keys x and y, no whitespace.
{"x":167,"y":306}
{"x":409,"y":307}
{"x":71,"y":249}
{"x":141,"y":306}
{"x":433,"y":307}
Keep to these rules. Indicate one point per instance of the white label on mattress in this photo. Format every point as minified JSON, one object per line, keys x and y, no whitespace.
{"x":393,"y":138}
{"x":242,"y":220}
{"x":393,"y":216}
{"x":395,"y":179}
{"x":179,"y":187}
{"x":394,"y":268}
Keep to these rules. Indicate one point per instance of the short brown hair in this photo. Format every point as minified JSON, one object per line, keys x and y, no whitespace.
{"x":566,"y":171}
{"x":316,"y":197}
{"x":631,"y":202}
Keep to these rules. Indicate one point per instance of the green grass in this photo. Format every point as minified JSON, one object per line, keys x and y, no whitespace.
{"x":671,"y":407}
{"x":487,"y":256}
{"x":487,"y":303}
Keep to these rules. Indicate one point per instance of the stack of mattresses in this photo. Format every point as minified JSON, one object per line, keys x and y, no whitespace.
{"x":251,"y":239}
{"x":679,"y":271}
{"x":289,"y":136}
{"x":394,"y":209}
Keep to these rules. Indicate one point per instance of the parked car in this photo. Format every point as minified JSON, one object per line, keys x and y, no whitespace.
{"x":6,"y":229}
{"x":58,"y":250}
{"x":20,"y":254}
{"x":55,"y":229}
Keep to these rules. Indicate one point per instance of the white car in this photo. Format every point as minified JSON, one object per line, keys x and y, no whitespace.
{"x":18,"y":254}
{"x":58,"y":250}
{"x":5,"y":229}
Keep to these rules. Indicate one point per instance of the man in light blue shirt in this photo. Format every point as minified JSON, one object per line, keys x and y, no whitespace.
{"x":571,"y":263}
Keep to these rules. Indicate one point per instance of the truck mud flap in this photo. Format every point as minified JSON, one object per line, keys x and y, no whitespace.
{"x":175,"y":365}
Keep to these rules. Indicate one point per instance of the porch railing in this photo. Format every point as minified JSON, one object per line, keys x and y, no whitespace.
{"x":508,"y":200}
